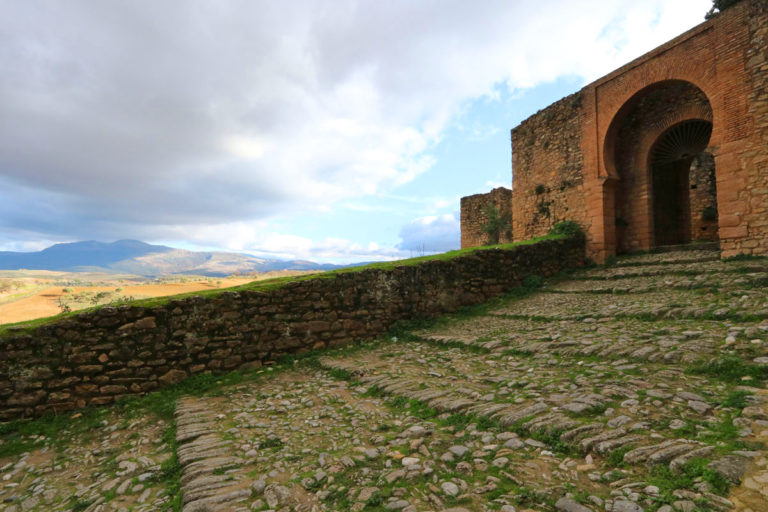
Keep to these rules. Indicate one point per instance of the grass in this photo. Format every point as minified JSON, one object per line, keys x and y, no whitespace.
{"x":695,"y":470}
{"x":272,"y":442}
{"x":616,"y":457}
{"x":170,"y":470}
{"x":745,"y":257}
{"x":729,"y":368}
{"x":736,"y":399}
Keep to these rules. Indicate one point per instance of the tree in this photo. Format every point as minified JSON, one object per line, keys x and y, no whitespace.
{"x":496,"y":225}
{"x":719,"y":6}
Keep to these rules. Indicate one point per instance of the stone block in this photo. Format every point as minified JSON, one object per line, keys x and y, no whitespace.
{"x":172,"y":377}
{"x":112,"y":389}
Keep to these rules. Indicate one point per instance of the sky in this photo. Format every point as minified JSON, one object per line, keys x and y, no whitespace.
{"x":335,"y":131}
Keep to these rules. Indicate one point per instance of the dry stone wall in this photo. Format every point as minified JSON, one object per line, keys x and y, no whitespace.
{"x":96,"y":357}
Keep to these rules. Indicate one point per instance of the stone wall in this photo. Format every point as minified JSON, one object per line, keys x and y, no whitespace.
{"x":474,"y":216}
{"x":703,"y":198}
{"x":96,"y":357}
{"x":547,"y":167}
{"x":751,"y":225}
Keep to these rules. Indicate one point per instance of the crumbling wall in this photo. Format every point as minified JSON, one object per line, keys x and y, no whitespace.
{"x":547,"y":165}
{"x":474,"y":216}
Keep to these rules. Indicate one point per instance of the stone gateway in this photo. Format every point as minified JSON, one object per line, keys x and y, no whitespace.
{"x":668,"y":149}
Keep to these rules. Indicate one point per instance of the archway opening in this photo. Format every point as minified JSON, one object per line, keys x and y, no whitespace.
{"x":660,"y":178}
{"x":671,"y":161}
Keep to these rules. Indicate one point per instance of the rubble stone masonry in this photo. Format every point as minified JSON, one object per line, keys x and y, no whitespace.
{"x":547,"y":165}
{"x":95,"y":357}
{"x":474,"y":216}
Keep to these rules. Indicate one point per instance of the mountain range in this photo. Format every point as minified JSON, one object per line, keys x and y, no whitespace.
{"x":140,"y":258}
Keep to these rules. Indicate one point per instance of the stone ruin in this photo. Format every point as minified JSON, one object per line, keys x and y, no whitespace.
{"x":669,"y":149}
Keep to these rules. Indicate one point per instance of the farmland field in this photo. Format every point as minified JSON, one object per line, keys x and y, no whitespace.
{"x":31,"y":294}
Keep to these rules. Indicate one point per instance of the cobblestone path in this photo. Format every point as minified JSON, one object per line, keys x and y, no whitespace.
{"x":635,"y":387}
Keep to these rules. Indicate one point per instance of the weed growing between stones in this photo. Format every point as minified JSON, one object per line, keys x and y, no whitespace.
{"x":729,"y":369}
{"x":693,"y":472}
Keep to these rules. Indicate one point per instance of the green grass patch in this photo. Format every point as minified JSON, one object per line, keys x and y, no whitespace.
{"x":518,"y":352}
{"x":728,"y":368}
{"x":78,"y":505}
{"x":412,"y":407}
{"x":272,"y":442}
{"x":695,"y":470}
{"x":736,"y":399}
{"x":616,"y":457}
{"x":745,"y":257}
{"x":340,"y":373}
{"x":552,"y":439}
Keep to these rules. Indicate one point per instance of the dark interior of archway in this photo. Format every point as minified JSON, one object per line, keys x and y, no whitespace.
{"x":671,"y":159}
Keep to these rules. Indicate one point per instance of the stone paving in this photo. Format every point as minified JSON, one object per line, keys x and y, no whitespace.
{"x":112,"y":467}
{"x":592,"y":394}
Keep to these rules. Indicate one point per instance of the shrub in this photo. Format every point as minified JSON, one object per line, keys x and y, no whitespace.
{"x":719,"y":6}
{"x":496,"y":225}
{"x":568,"y":228}
{"x":533,"y":281}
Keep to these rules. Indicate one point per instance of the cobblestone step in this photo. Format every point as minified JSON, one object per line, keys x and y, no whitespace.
{"x":202,"y":453}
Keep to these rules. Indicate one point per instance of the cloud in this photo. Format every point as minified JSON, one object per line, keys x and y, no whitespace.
{"x":259,"y":239}
{"x":432,"y":234}
{"x":128,"y":118}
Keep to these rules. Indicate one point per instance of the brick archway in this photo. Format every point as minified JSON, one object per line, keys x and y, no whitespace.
{"x":627,"y":187}
{"x":564,"y":157}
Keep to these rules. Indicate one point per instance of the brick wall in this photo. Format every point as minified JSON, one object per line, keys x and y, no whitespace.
{"x":96,"y":357}
{"x":644,"y":120}
{"x":725,"y":59}
{"x":474,"y":216}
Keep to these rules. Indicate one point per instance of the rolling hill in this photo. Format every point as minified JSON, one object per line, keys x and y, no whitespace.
{"x":140,"y":258}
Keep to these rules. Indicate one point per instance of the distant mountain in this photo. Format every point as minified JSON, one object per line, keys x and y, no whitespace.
{"x":140,"y":258}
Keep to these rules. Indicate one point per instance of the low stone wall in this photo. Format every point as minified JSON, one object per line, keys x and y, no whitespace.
{"x":96,"y":357}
